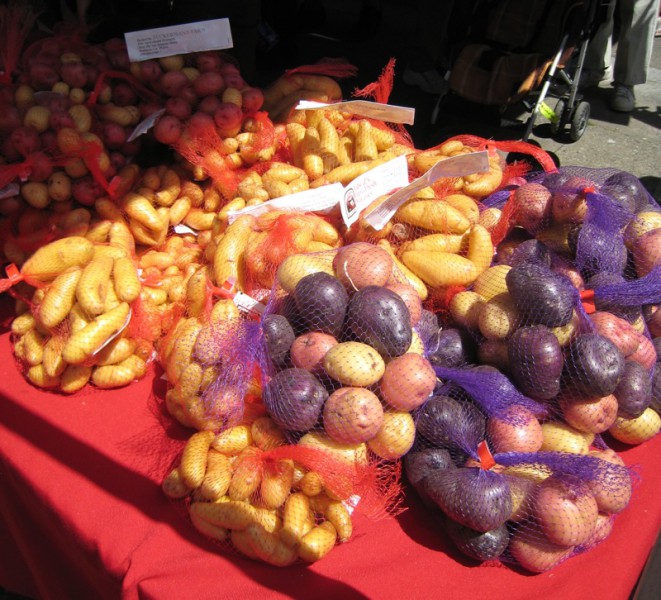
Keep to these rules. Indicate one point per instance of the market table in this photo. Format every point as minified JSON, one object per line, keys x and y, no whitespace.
{"x":82,"y":516}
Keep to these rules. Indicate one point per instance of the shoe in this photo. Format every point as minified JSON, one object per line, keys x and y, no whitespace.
{"x":591,"y":78}
{"x":429,"y":81}
{"x":623,"y":98}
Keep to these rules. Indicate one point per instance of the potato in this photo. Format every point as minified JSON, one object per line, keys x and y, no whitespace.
{"x":361,"y":264}
{"x":499,"y":317}
{"x":407,"y":382}
{"x":532,"y":206}
{"x":517,"y":430}
{"x":491,"y":282}
{"x":465,"y":308}
{"x":308,"y":350}
{"x":297,"y":266}
{"x":354,"y":364}
{"x":352,"y":454}
{"x":592,"y":415}
{"x":322,"y":301}
{"x":395,"y":437}
{"x":637,"y":430}
{"x":560,"y":437}
{"x":534,"y":552}
{"x":352,"y":415}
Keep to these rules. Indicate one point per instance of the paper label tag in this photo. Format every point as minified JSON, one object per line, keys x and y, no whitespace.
{"x":248,"y":304}
{"x":456,"y":166}
{"x":183,"y":229}
{"x":9,"y":191}
{"x":145,"y":125}
{"x":388,"y":113}
{"x":320,"y":200}
{"x":367,"y":187}
{"x":178,"y":39}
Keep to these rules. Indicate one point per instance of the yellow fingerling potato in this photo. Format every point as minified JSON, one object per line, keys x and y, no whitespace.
{"x":228,"y":258}
{"x":115,"y":352}
{"x":230,"y":514}
{"x":75,"y":378}
{"x":173,"y":485}
{"x":217,"y":477}
{"x":34,"y":343}
{"x":82,"y":344}
{"x":297,"y":520}
{"x":276,"y":484}
{"x":269,"y":547}
{"x":310,"y":150}
{"x":338,"y":515}
{"x":265,"y":434}
{"x":38,"y":376}
{"x":436,"y":242}
{"x":23,"y":323}
{"x":182,"y":351}
{"x":210,"y":530}
{"x":54,"y":258}
{"x":93,"y":285}
{"x":60,"y":297}
{"x":440,"y":269}
{"x":317,"y":542}
{"x":465,"y":308}
{"x":499,"y":317}
{"x":193,"y":464}
{"x":435,"y":215}
{"x":125,"y":279}
{"x":246,"y":478}
{"x":480,"y":247}
{"x":492,"y":282}
{"x":119,"y":374}
{"x":233,"y":441}
{"x":415,"y":281}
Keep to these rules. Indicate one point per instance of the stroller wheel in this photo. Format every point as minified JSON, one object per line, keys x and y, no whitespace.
{"x":559,"y":120}
{"x":579,"y":120}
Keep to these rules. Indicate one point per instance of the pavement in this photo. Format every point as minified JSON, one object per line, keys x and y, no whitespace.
{"x":628,"y":142}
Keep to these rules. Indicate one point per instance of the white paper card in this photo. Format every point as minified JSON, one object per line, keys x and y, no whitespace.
{"x":178,"y":39}
{"x":367,"y":187}
{"x":9,"y":191}
{"x":456,"y":166}
{"x":320,"y":200}
{"x":145,"y":125}
{"x":388,"y":113}
{"x":182,"y":229}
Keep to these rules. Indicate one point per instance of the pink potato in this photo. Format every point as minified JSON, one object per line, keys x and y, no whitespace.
{"x":119,"y":60}
{"x":569,"y":204}
{"x":113,"y":135}
{"x":308,"y":350}
{"x":25,"y":140}
{"x":42,"y":76}
{"x":532,"y":206}
{"x":647,"y":251}
{"x":361,"y":264}
{"x":189,"y":95}
{"x":612,"y":489}
{"x":208,"y":61}
{"x":148,"y":108}
{"x":10,"y":118}
{"x":86,"y":191}
{"x":407,"y":381}
{"x":566,"y":510}
{"x":654,"y":322}
{"x":208,"y":83}
{"x":168,"y":130}
{"x":199,"y":124}
{"x":645,"y":354}
{"x":352,"y":415}
{"x":534,"y":552}
{"x":411,"y":298}
{"x":209,"y":104}
{"x":516,"y":431}
{"x":591,"y":415}
{"x":74,"y":74}
{"x":9,"y":152}
{"x":42,"y":166}
{"x":59,"y":119}
{"x":150,"y":71}
{"x":617,"y":330}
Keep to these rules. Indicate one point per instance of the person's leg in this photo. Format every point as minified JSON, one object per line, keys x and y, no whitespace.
{"x":634,"y":51}
{"x":598,"y":54}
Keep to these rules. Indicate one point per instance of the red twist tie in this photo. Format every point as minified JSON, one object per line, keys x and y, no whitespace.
{"x":226,"y":290}
{"x":14,"y":276}
{"x":587,"y":300}
{"x":487,"y":460}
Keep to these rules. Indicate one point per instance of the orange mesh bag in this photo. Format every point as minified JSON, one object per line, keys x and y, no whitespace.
{"x":260,"y":497}
{"x":16,"y":23}
{"x":76,"y":328}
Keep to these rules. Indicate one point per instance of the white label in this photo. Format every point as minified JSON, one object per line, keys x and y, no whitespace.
{"x":9,"y":191}
{"x":248,"y":304}
{"x":388,"y":113}
{"x":145,"y":125}
{"x":183,"y":229}
{"x":367,"y":187}
{"x":320,"y":200}
{"x":178,"y":39}
{"x":456,"y":166}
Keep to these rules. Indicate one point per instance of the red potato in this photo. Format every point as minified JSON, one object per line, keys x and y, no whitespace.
{"x":124,"y":95}
{"x":188,"y":93}
{"x":42,"y":76}
{"x":532,"y":206}
{"x":49,"y":141}
{"x":645,"y":354}
{"x":235,"y":80}
{"x":654,"y":322}
{"x":9,"y":152}
{"x":119,"y":60}
{"x":86,"y":191}
{"x":59,"y":119}
{"x":530,"y":548}
{"x":411,"y":299}
{"x":617,"y":330}
{"x":209,"y":104}
{"x":25,"y":140}
{"x":172,"y":82}
{"x":646,"y":251}
{"x":55,"y":102}
{"x":178,"y":107}
{"x":113,"y":135}
{"x":308,"y":350}
{"x":168,"y":130}
{"x":42,"y":166}
{"x":569,"y":204}
{"x":74,"y":74}
{"x":592,"y":415}
{"x":564,"y":267}
{"x":10,"y":118}
{"x":208,"y":83}
{"x":252,"y":100}
{"x":119,"y":159}
{"x":199,"y":124}
{"x":517,"y":431}
{"x":208,"y":61}
{"x":228,"y":118}
{"x":114,"y":44}
{"x":361,"y":264}
{"x":150,"y":71}
{"x":566,"y":510}
{"x":148,"y":108}
{"x":407,"y":381}
{"x":602,"y":530}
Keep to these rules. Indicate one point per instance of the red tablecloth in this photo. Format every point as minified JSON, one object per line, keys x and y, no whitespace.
{"x":82,"y":516}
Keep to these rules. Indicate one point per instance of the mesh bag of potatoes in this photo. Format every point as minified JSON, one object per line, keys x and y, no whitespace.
{"x":257,"y":495}
{"x":76,"y":326}
{"x":564,"y":310}
{"x":531,"y":502}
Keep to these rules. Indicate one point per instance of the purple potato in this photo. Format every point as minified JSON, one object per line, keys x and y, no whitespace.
{"x":593,"y":366}
{"x":379,"y":317}
{"x":473,"y":497}
{"x":279,"y":336}
{"x":452,"y":424}
{"x":628,"y":190}
{"x":480,"y":545}
{"x":418,"y":465}
{"x":532,"y":251}
{"x":600,"y":250}
{"x":536,"y":361}
{"x":542,"y":297}
{"x":604,"y":278}
{"x":451,"y":348}
{"x":656,"y":388}
{"x":322,"y":300}
{"x":294,"y":399}
{"x":634,"y":392}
